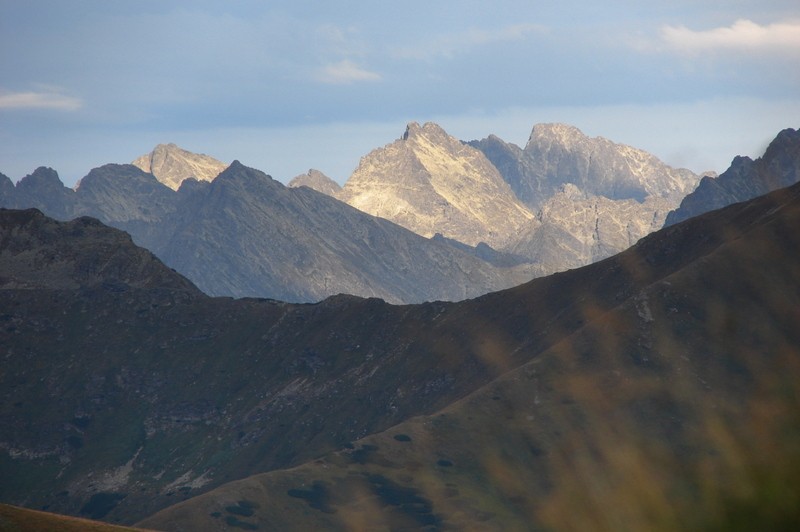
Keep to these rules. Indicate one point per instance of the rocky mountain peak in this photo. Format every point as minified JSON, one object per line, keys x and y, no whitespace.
{"x":41,"y":177}
{"x":318,"y":181}
{"x":172,"y":164}
{"x":412,"y":128}
{"x":428,"y":129}
{"x":559,"y":153}
{"x":122,"y":194}
{"x":127,"y":175}
{"x":745,"y":178}
{"x":787,"y":137}
{"x":429,"y":182}
{"x":239,"y":172}
{"x":43,"y":190}
{"x":563,"y":133}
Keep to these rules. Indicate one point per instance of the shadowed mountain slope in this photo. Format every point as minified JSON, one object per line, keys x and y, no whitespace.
{"x":669,"y":402}
{"x":132,"y":399}
{"x":38,"y":252}
{"x":745,"y":179}
{"x":305,"y":245}
{"x":141,"y":394}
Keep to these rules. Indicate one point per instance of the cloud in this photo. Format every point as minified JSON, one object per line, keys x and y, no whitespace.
{"x":39,"y":100}
{"x":744,"y":35}
{"x":345,"y":72}
{"x":449,"y":45}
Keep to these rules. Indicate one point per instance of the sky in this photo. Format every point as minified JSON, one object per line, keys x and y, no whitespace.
{"x":285,"y":86}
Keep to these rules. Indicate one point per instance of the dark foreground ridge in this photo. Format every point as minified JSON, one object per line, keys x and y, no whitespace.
{"x":117,"y":403}
{"x":674,"y":409}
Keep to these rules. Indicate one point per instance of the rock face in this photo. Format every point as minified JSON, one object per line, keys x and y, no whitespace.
{"x":123,"y":194}
{"x":171,"y":165}
{"x":584,"y":198}
{"x":430,"y":183}
{"x":576,"y":228}
{"x":249,"y":232}
{"x":558,"y":154}
{"x":592,"y":197}
{"x":745,"y":179}
{"x":318,"y":181}
{"x":245,"y":234}
{"x":41,"y":190}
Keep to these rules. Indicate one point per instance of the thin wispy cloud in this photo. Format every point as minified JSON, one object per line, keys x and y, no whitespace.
{"x":39,"y":100}
{"x":448,"y":46}
{"x":345,"y":72}
{"x":743,"y":35}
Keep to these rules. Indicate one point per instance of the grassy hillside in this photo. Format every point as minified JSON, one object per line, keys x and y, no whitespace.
{"x":678,"y":408}
{"x":15,"y":519}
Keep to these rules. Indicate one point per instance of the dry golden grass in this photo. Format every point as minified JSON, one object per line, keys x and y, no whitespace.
{"x":15,"y":519}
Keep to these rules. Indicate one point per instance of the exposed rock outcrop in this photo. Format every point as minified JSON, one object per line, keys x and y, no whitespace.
{"x":593,"y":197}
{"x":172,"y":164}
{"x":577,"y":228}
{"x":318,"y":181}
{"x":558,"y":154}
{"x":429,"y":182}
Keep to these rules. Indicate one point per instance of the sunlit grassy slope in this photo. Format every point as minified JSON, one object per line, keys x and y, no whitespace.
{"x":15,"y":519}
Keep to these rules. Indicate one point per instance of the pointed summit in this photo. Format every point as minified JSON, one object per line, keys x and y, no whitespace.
{"x":44,"y":190}
{"x":172,"y":164}
{"x":411,"y":129}
{"x":430,"y":182}
{"x":428,"y":130}
{"x":563,"y":133}
{"x":318,"y":181}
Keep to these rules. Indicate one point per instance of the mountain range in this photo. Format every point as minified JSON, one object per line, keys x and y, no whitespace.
{"x":653,"y":388}
{"x":259,"y":238}
{"x":491,"y":214}
{"x":245,"y":234}
{"x":565,"y":200}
